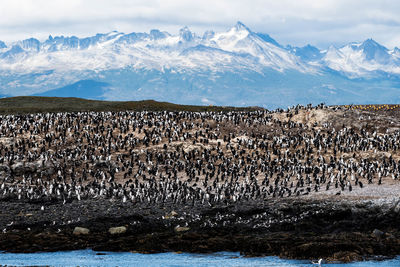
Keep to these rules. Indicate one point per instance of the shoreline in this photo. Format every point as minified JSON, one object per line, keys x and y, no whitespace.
{"x":333,"y":229}
{"x":228,"y":254}
{"x":91,"y":258}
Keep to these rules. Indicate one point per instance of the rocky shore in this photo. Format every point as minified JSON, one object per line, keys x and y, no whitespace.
{"x":334,"y":229}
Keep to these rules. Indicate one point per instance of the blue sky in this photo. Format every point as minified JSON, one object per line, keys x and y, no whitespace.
{"x":296,"y":22}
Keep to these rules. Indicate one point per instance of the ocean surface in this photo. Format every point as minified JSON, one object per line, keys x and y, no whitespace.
{"x":222,"y":259}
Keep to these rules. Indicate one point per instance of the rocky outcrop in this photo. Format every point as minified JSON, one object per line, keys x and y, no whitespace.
{"x":24,"y":167}
{"x":290,"y":228}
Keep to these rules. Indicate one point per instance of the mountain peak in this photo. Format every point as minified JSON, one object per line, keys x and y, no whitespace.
{"x":374,"y":51}
{"x":186,"y":34}
{"x":113,"y":33}
{"x":307,"y":53}
{"x":239,"y":26}
{"x":370,"y":41}
{"x":370,"y":44}
{"x":332,"y":48}
{"x":333,"y":53}
{"x":156,"y":34}
{"x":2,"y":45}
{"x":31,"y":44}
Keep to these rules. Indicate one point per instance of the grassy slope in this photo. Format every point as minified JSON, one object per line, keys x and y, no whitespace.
{"x":37,"y":104}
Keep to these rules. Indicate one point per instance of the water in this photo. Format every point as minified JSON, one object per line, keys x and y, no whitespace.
{"x":89,"y":258}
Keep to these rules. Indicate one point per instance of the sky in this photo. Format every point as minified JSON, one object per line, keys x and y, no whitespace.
{"x":295,"y":22}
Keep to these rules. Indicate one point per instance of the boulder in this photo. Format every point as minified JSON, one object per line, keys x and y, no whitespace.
{"x":81,"y":231}
{"x":117,"y":230}
{"x":180,"y":229}
{"x":170,"y":215}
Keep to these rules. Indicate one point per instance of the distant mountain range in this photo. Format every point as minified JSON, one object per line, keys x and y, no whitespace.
{"x":237,"y":67}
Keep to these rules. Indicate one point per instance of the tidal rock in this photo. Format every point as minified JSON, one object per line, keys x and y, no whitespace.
{"x":81,"y":231}
{"x":346,"y":256}
{"x":117,"y":230}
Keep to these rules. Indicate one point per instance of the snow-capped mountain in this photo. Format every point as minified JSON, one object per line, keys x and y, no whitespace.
{"x":306,"y":53}
{"x":362,"y":59}
{"x":156,"y":50}
{"x":234,"y":67}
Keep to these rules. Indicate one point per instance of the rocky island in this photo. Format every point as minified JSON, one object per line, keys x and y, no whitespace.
{"x":305,"y":183}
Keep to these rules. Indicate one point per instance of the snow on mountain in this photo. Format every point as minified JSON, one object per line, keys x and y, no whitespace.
{"x":30,"y":44}
{"x":238,"y":47}
{"x":237,"y":66}
{"x":335,"y":59}
{"x":396,"y":54}
{"x":240,"y":39}
{"x":154,"y":50}
{"x":362,"y":59}
{"x":186,"y":35}
{"x":266,"y":38}
{"x":306,"y":53}
{"x":187,"y":51}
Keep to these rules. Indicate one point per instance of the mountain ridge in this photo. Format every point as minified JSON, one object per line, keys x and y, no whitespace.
{"x":237,"y":66}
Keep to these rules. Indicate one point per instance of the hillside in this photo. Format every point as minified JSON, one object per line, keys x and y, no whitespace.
{"x":38,"y":104}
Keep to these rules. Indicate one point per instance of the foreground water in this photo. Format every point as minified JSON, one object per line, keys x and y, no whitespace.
{"x":92,"y":258}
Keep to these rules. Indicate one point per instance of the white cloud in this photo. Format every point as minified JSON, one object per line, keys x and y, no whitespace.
{"x":319,"y":22}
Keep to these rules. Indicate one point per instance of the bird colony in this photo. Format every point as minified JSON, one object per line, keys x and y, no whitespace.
{"x":194,"y":158}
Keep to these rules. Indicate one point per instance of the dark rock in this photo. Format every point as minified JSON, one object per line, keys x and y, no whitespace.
{"x":377,"y":233}
{"x":333,"y":234}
